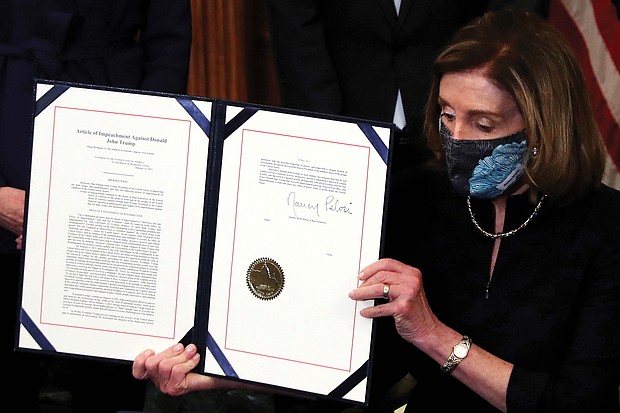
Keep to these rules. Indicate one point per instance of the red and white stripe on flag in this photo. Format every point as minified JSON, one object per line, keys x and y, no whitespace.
{"x":593,"y":29}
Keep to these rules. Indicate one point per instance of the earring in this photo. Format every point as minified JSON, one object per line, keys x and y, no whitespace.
{"x":534,"y":151}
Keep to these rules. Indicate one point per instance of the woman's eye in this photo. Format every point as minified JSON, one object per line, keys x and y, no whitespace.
{"x":447,"y":117}
{"x":484,"y":128}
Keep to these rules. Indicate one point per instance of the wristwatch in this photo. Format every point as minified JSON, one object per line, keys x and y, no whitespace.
{"x":459,"y":352}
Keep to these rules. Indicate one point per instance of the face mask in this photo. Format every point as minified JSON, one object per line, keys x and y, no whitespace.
{"x":483,"y":168}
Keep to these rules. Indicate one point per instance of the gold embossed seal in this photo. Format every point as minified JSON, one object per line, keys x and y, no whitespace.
{"x":265,"y":278}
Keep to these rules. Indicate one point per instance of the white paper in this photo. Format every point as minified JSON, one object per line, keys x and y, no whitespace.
{"x":308,"y":194}
{"x":114,"y":222}
{"x":116,"y":232}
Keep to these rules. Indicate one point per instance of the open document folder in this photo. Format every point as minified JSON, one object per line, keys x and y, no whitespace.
{"x":240,"y":227}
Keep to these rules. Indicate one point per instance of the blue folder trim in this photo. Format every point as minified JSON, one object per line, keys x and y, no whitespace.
{"x":196,"y":114}
{"x":375,"y":140}
{"x":220,"y":357}
{"x":239,"y":119}
{"x":49,"y":96}
{"x":34,"y":331}
{"x":352,"y":381}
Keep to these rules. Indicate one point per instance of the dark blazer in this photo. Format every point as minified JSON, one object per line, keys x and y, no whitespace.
{"x":140,"y":44}
{"x":350,"y":57}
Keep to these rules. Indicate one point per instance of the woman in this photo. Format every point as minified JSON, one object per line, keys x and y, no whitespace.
{"x":503,"y":280}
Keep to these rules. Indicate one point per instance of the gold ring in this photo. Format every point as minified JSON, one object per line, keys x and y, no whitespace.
{"x":386,"y":291}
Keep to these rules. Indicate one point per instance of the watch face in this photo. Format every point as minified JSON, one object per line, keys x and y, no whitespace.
{"x":460,"y":351}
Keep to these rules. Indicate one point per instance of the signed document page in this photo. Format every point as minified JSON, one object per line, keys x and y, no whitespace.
{"x":114,"y":219}
{"x":299,"y":214}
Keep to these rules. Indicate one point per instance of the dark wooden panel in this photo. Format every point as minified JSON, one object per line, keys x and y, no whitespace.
{"x":231,"y":52}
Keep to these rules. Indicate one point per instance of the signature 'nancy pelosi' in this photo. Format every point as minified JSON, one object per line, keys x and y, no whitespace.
{"x":330,"y":204}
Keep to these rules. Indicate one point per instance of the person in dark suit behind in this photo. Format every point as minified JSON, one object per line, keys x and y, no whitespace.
{"x":369,"y":59}
{"x":139,"y":44}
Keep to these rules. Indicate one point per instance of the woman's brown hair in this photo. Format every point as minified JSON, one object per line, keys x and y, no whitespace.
{"x":527,"y":57}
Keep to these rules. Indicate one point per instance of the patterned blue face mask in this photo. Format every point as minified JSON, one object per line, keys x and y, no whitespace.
{"x":483,"y":168}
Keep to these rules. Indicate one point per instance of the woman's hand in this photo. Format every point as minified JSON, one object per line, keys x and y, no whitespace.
{"x":171,"y":370}
{"x":12,"y":201}
{"x":406,"y":300}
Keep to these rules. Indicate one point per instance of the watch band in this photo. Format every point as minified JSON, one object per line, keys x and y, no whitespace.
{"x":459,"y":352}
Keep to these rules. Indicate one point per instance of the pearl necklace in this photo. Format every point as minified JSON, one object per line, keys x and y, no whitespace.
{"x":503,"y":234}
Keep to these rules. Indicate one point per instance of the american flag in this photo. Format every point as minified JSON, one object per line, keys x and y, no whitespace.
{"x":593,"y":29}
